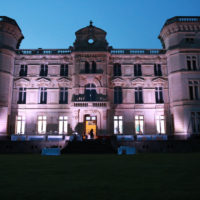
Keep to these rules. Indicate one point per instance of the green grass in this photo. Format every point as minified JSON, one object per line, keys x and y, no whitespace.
{"x":112,"y":177}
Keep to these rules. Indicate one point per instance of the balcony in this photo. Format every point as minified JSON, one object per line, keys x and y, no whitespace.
{"x":89,"y":98}
{"x":97,"y":71}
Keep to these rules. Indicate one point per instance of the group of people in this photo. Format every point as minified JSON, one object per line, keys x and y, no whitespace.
{"x":91,"y":134}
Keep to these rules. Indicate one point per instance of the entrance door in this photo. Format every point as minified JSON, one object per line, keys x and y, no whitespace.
{"x":90,"y":123}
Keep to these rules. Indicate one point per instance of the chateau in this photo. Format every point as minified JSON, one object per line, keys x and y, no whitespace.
{"x":91,"y":85}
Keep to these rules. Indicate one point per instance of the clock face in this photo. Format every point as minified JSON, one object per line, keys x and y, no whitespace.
{"x":90,"y":41}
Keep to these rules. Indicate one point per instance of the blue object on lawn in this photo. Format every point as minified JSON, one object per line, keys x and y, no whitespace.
{"x":126,"y":150}
{"x":51,"y":151}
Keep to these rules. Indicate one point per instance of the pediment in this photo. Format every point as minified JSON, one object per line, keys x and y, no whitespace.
{"x":22,"y":80}
{"x":159,"y":80}
{"x":46,"y":80}
{"x":64,"y":80}
{"x":117,"y":80}
{"x":138,"y":80}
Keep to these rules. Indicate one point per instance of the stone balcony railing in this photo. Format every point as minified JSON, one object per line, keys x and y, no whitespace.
{"x":91,"y":104}
{"x":182,"y":19}
{"x":69,"y":51}
{"x":83,"y":98}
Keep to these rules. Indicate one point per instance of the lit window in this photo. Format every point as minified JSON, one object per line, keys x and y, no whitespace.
{"x":192,"y":63}
{"x":42,"y":124}
{"x":22,"y":96}
{"x":139,"y":124}
{"x":195,"y":122}
{"x":118,"y":125}
{"x":20,"y":125}
{"x":159,"y":95}
{"x":160,"y":124}
{"x":194,"y":90}
{"x":63,"y":125}
{"x":43,"y":95}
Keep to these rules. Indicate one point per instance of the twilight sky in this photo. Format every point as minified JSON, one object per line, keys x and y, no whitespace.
{"x":128,"y":23}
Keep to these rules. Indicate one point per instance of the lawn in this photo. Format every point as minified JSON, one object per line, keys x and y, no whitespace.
{"x":112,"y":177}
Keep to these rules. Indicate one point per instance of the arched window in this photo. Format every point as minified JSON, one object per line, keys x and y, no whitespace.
{"x":87,"y":67}
{"x":94,"y":66}
{"x":90,"y":92}
{"x":117,"y":95}
{"x":117,"y":69}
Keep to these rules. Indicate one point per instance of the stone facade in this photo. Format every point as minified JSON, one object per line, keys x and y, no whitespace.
{"x":113,"y":91}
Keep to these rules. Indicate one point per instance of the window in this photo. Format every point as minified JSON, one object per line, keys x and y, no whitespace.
{"x":94,"y":67}
{"x":118,"y":125}
{"x":90,"y":92}
{"x":87,"y":67}
{"x":43,"y":95}
{"x":63,"y":124}
{"x":138,"y":95}
{"x":117,"y":70}
{"x":137,"y":70}
{"x":44,"y":70}
{"x":139,"y":124}
{"x":160,"y":124}
{"x":159,"y":95}
{"x":63,"y":96}
{"x":23,"y":70}
{"x":42,"y":124}
{"x":189,"y":40}
{"x":117,"y":95}
{"x":192,"y":63}
{"x":157,"y":70}
{"x":64,"y":70}
{"x":22,"y":96}
{"x":194,"y":87}
{"x":20,"y":124}
{"x":195,"y":119}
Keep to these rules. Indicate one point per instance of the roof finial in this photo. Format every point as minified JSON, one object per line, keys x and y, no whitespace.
{"x":91,"y":22}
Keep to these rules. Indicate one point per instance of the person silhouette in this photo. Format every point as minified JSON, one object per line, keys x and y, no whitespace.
{"x":91,"y":134}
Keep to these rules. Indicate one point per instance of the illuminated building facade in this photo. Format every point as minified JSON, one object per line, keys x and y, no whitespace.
{"x":94,"y":86}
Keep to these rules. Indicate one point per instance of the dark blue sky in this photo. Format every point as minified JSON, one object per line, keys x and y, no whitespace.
{"x":128,"y":23}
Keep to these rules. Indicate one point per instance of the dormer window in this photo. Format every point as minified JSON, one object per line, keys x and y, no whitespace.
{"x":90,"y":41}
{"x":189,"y":40}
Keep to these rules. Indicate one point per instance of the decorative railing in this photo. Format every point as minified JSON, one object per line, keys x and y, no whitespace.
{"x":84,"y":98}
{"x":137,"y":51}
{"x":98,"y":71}
{"x":91,"y":104}
{"x":42,"y":51}
{"x":182,"y":19}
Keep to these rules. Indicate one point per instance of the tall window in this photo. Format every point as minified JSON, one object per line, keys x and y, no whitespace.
{"x":87,"y":67}
{"x":20,"y":124}
{"x":117,"y":95}
{"x":160,"y":124}
{"x":42,"y":124}
{"x":22,"y":96}
{"x":63,"y":124}
{"x":94,"y":67}
{"x":117,"y":69}
{"x":63,"y":96}
{"x":43,"y":95}
{"x":192,"y":63}
{"x":44,"y":70}
{"x":90,"y":92}
{"x":194,"y":92}
{"x":138,"y":95}
{"x":159,"y":95}
{"x":64,"y":70}
{"x":137,"y":70}
{"x":195,"y":119}
{"x":23,"y":70}
{"x":139,"y":124}
{"x":118,"y":125}
{"x":157,"y":70}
